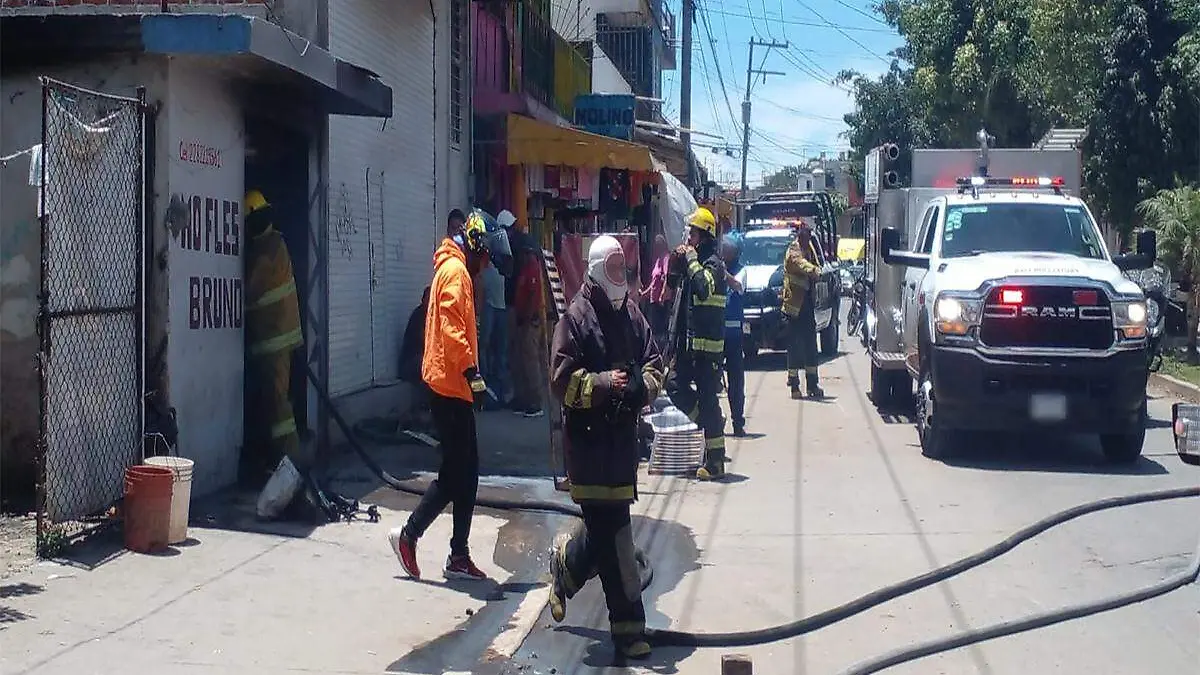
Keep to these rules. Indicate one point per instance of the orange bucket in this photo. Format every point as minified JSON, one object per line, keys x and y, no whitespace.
{"x":148,"y":507}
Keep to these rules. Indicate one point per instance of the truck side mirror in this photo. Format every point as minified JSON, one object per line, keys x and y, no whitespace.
{"x":894,"y":254}
{"x":1185,"y":423}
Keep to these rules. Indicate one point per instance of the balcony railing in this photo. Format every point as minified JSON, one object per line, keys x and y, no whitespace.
{"x":537,"y":55}
{"x":492,"y":54}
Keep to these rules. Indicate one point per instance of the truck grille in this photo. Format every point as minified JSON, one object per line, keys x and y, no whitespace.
{"x":1048,"y":316}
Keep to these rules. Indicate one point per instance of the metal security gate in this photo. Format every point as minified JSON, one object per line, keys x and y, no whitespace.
{"x":91,"y":318}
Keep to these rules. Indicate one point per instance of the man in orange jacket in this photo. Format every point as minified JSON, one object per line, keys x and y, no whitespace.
{"x":450,"y":367}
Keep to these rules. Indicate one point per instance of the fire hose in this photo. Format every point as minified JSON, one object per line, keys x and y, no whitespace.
{"x":863,"y":603}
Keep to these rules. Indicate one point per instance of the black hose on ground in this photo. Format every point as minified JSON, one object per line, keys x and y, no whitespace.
{"x":878,"y":597}
{"x":863,"y":603}
{"x":1032,"y":622}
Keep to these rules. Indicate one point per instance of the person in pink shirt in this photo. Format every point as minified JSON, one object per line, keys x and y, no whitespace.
{"x":657,"y":292}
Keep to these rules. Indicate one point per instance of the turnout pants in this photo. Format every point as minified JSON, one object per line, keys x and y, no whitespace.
{"x":802,"y":345}
{"x":602,"y":545}
{"x":274,"y":373}
{"x":457,"y":482}
{"x":735,"y":372}
{"x":700,"y":403}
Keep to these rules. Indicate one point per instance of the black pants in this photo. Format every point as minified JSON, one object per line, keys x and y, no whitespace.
{"x":458,"y":478}
{"x":735,"y":372}
{"x":802,"y":344}
{"x":700,"y":403}
{"x":602,"y":544}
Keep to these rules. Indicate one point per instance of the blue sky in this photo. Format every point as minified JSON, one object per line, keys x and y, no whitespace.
{"x":794,"y":116}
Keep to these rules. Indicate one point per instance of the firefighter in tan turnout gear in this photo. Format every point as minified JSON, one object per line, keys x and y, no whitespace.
{"x":700,"y":341}
{"x":800,"y":272}
{"x":605,"y":368}
{"x":272,"y":328}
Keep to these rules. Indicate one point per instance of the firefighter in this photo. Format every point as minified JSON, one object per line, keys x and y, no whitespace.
{"x":450,"y":366}
{"x":605,"y":368}
{"x":696,"y":377}
{"x":735,"y":363}
{"x":800,"y":272}
{"x":272,"y":327}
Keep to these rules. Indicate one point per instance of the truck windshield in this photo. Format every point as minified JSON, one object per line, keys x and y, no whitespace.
{"x":784,"y":211}
{"x":972,"y":229}
{"x":764,"y":250}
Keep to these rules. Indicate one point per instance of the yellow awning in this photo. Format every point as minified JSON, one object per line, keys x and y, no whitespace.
{"x":534,"y":142}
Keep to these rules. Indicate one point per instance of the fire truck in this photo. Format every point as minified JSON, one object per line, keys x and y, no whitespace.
{"x":993,"y":290}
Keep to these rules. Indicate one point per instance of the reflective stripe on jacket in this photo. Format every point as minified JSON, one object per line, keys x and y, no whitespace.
{"x":272,"y":307}
{"x":451,"y":340}
{"x":590,"y":341}
{"x":706,"y":313}
{"x":799,"y":272}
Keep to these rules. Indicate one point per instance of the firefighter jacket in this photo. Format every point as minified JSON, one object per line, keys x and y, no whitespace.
{"x":451,"y":338}
{"x":272,"y":307}
{"x":800,"y":270}
{"x":706,"y":307}
{"x":590,"y":341}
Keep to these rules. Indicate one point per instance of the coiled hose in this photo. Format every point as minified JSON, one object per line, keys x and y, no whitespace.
{"x":865,"y":602}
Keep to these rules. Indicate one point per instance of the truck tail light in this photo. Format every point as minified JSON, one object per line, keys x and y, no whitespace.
{"x":1012,"y":296}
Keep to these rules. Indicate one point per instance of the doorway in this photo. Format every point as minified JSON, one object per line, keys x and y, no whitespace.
{"x":277,"y":163}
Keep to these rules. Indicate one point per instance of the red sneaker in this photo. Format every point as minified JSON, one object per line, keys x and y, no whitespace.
{"x":406,"y":551}
{"x":461,"y":567}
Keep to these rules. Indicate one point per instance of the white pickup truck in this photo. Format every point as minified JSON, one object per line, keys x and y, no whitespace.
{"x":1014,"y":314}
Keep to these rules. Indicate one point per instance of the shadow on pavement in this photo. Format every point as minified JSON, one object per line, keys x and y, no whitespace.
{"x":1049,"y":453}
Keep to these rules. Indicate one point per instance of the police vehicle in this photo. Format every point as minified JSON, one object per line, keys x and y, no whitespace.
{"x":1011,"y":311}
{"x":764,"y":242}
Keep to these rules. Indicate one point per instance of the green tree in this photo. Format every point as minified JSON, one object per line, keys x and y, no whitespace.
{"x":1175,"y":215}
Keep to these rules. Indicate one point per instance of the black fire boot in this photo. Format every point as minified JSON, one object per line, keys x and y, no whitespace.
{"x":814,"y":389}
{"x":793,"y":383}
{"x":714,"y":466}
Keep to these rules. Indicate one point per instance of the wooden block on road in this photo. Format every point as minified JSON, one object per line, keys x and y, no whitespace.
{"x":736,"y":664}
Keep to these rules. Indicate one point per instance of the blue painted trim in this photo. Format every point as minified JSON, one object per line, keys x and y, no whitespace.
{"x":207,"y":34}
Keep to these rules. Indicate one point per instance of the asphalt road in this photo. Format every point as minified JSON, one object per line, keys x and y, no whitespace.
{"x":834,"y":499}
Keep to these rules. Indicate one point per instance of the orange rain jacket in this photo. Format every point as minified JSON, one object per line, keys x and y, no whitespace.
{"x":451,"y":340}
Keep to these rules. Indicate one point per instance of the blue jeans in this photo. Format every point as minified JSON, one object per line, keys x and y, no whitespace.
{"x":735,"y":371}
{"x":493,"y":350}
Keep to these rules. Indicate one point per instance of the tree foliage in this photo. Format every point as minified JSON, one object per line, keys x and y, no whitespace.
{"x":1175,"y":215}
{"x":1127,"y":70}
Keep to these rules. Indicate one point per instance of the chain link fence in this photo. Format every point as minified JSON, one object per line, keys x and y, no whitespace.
{"x":91,"y":304}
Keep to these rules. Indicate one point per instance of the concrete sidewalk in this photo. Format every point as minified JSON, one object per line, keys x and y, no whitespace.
{"x":232,"y":602}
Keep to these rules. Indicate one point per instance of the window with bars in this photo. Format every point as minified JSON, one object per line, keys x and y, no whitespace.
{"x":458,"y":67}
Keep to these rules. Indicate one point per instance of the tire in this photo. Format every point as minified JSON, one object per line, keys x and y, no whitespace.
{"x":1125,"y":448}
{"x":830,"y":338}
{"x":937,"y":442}
{"x":881,"y":386}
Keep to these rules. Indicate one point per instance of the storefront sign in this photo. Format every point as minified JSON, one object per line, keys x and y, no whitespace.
{"x":606,"y":114}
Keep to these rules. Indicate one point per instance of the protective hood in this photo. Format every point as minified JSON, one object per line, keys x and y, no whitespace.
{"x":966,"y":274}
{"x":603,"y":249}
{"x":448,"y":249}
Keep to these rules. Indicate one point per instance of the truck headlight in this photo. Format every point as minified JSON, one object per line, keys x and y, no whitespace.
{"x":955,"y":316}
{"x":1130,"y":319}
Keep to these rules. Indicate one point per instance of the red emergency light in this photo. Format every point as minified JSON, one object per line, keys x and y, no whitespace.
{"x":1012,"y":181}
{"x":1086,"y":298}
{"x":1012,"y":296}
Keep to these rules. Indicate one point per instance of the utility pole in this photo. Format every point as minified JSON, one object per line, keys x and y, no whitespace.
{"x":751,"y":71}
{"x":685,"y":92}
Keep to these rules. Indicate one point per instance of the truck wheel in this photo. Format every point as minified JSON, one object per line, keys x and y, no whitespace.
{"x":830,"y":338}
{"x":881,"y":386}
{"x":1125,"y":448}
{"x":936,"y":441}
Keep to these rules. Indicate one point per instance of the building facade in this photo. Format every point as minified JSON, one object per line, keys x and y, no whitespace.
{"x":353,"y":118}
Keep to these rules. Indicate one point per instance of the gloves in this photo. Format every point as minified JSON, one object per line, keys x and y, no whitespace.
{"x":635,"y":392}
{"x":475,"y":380}
{"x":691,"y":254}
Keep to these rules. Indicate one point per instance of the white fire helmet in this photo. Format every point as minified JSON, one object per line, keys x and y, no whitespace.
{"x":603,"y":249}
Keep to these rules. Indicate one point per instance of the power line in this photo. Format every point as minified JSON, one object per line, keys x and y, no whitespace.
{"x":810,"y":24}
{"x":861,"y":12}
{"x":717,"y":60}
{"x":841,"y":30}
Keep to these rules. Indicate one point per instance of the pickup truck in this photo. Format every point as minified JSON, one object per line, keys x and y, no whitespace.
{"x":1015,"y":314}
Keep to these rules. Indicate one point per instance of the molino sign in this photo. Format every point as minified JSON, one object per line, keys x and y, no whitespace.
{"x":606,"y":114}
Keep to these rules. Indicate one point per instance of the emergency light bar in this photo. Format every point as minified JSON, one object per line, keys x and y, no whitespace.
{"x":976,"y":182}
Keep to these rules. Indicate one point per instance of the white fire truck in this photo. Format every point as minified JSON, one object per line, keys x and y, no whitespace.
{"x":995,"y":292}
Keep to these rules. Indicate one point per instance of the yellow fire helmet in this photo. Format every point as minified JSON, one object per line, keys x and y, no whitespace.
{"x":475,"y":234}
{"x":702,"y":219}
{"x":255,"y":201}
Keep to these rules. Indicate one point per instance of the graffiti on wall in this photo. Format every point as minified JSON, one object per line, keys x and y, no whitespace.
{"x":344,"y":226}
{"x":18,"y":307}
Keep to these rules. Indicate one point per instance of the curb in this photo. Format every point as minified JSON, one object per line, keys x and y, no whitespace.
{"x":1176,"y":387}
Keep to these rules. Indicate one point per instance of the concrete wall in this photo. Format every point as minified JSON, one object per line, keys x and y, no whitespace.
{"x":575,"y":20}
{"x":20,"y":242}
{"x":203,"y":130}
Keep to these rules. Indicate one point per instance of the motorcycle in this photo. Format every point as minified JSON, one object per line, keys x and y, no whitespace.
{"x":857,"y":314}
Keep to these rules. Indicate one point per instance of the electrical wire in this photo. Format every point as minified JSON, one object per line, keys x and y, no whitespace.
{"x":810,"y":24}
